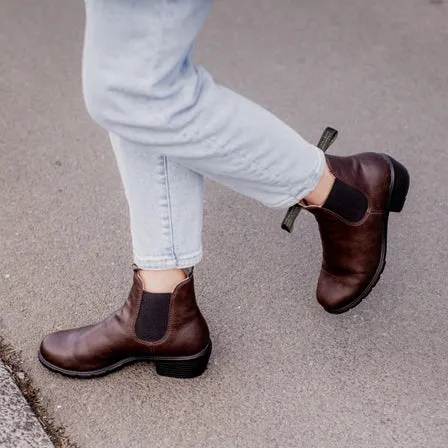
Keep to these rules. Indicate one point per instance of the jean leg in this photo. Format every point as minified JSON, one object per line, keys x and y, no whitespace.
{"x":141,"y":84}
{"x":164,"y":197}
{"x":165,"y":204}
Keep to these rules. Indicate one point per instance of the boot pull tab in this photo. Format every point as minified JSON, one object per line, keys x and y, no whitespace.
{"x":327,"y":139}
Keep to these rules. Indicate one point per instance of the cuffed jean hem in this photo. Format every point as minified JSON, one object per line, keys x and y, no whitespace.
{"x":310,"y":186}
{"x":159,"y":264}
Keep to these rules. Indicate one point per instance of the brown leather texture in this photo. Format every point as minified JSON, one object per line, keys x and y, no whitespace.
{"x":352,"y":251}
{"x":96,"y":347}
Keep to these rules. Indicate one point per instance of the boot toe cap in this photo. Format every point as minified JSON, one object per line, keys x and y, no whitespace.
{"x":55,"y":351}
{"x":337,"y":293}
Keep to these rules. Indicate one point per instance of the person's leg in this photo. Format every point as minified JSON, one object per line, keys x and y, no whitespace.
{"x":141,"y":84}
{"x":162,"y":195}
{"x":160,"y":321}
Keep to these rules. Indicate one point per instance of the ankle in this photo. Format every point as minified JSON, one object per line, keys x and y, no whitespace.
{"x":320,"y":194}
{"x":163,"y":281}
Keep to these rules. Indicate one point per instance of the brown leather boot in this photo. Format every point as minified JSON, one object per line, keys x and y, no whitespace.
{"x":166,"y":329}
{"x":354,"y":244}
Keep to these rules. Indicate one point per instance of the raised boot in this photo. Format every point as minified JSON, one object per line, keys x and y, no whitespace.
{"x":353,"y":226}
{"x":166,"y":329}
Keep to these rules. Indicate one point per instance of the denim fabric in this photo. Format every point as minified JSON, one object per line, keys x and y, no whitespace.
{"x":170,"y":124}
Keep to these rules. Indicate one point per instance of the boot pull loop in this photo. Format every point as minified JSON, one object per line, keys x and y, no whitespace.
{"x":327,"y":139}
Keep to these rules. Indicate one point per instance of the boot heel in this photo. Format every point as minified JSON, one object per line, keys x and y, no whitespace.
{"x":400,"y":188}
{"x":185,"y":368}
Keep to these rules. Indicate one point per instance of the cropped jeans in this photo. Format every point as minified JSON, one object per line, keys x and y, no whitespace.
{"x":171,"y":125}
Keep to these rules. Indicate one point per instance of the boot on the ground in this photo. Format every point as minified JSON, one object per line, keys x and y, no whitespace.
{"x":166,"y":329}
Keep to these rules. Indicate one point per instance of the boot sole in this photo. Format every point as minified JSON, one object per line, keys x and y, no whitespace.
{"x":171,"y":366}
{"x":399,"y":187}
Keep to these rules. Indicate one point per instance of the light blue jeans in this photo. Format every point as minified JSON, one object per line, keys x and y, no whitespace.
{"x":170,"y":125}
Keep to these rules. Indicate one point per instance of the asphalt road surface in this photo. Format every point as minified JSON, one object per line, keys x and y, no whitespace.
{"x":283,"y":372}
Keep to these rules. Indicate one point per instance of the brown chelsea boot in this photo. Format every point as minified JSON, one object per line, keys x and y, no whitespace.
{"x":353,"y":226}
{"x":166,"y":329}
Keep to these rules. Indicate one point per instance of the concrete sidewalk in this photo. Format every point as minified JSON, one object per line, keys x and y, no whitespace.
{"x":19,"y":427}
{"x":283,"y":373}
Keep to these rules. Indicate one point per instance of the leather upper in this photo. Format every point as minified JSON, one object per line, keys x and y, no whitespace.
{"x":352,"y":250}
{"x":97,"y":346}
